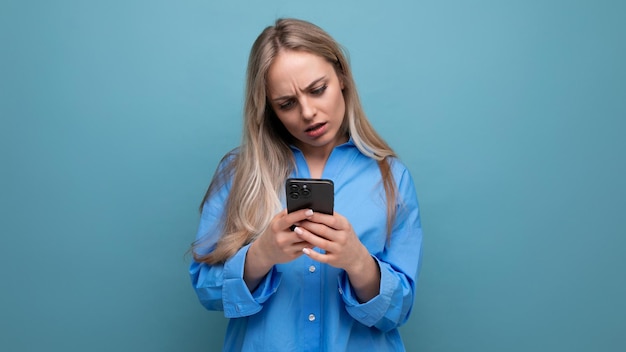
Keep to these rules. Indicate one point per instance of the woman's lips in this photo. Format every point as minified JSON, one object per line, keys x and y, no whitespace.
{"x":316,"y":130}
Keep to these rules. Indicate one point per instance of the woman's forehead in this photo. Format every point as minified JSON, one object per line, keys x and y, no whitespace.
{"x":297,"y":69}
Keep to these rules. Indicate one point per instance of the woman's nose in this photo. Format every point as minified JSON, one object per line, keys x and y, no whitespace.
{"x":307,"y":108}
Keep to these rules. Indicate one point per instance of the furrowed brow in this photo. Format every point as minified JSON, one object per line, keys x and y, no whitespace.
{"x":309,"y":87}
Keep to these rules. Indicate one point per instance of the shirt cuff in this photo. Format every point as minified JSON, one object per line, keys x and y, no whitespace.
{"x":237,"y":298}
{"x":372,"y":311}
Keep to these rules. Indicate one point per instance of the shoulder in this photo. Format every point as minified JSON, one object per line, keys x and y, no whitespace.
{"x":226,"y":167}
{"x":398,"y":168}
{"x":229,"y":159}
{"x":402,"y":176}
{"x":397,"y":165}
{"x":222,"y":178}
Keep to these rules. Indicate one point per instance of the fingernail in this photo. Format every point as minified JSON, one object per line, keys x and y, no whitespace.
{"x":306,"y":251}
{"x":308,"y":212}
{"x":298,"y":230}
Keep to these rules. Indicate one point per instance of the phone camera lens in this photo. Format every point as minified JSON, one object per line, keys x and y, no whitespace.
{"x":305,"y":191}
{"x":293,"y":188}
{"x":294,"y":195}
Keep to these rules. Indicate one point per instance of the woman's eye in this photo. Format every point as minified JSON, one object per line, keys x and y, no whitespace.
{"x":286,"y":105}
{"x":320,"y":90}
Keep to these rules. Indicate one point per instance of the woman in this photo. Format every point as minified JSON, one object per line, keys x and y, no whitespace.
{"x":341,"y":282}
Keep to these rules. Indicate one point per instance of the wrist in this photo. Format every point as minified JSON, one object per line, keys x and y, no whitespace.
{"x":364,"y":277}
{"x":256,"y":256}
{"x":255,"y":267}
{"x":362,"y":264}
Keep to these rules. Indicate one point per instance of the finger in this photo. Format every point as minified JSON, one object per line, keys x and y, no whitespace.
{"x":291,"y":218}
{"x":296,"y":250}
{"x":276,"y":221}
{"x":313,"y":239}
{"x":319,"y":229}
{"x":335,"y":221}
{"x":317,"y":256}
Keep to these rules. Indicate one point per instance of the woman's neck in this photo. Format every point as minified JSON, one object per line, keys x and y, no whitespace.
{"x":316,"y":157}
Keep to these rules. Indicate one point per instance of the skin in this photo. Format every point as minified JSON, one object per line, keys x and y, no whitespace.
{"x":306,"y":94}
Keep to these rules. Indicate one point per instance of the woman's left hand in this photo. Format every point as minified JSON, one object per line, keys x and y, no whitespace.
{"x":333,"y":234}
{"x":342,"y":249}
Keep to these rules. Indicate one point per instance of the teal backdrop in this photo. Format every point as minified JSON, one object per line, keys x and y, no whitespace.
{"x":509,"y":114}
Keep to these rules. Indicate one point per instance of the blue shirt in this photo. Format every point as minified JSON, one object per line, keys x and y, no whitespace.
{"x":305,"y":305}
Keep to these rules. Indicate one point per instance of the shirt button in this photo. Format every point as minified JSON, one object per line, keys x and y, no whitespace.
{"x":312,"y":268}
{"x":311,"y":317}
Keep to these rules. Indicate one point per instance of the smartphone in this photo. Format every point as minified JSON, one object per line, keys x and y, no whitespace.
{"x":310,"y":193}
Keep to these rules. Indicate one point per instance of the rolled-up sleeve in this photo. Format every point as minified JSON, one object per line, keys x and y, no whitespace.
{"x":221,"y":286}
{"x":399,"y":267}
{"x":237,"y":299}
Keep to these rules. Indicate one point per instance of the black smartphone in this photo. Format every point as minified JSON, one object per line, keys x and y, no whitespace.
{"x":310,"y":193}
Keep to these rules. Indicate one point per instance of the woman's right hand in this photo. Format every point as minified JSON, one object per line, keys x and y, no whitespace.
{"x":277,"y":244}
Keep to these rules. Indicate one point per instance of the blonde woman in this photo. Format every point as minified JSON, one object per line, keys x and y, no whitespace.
{"x":340,"y":282}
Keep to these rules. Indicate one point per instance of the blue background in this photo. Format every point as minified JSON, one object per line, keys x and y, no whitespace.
{"x":509,"y":114}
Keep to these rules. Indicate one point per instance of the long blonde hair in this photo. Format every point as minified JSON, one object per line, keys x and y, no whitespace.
{"x":262,"y":163}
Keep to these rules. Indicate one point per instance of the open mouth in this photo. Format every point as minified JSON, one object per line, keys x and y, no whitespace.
{"x":315,"y":127}
{"x":316,"y":130}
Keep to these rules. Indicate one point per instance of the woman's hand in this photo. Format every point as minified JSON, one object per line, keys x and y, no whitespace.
{"x":343,"y":249}
{"x":277,"y":244}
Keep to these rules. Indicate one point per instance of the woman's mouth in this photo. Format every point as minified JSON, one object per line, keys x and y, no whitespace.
{"x":316,"y":130}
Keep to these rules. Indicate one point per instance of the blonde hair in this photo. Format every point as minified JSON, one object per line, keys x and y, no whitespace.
{"x":262,"y":163}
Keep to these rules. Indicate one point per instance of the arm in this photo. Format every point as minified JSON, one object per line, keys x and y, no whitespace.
{"x":277,"y":244}
{"x":245,"y":281}
{"x":221,"y":286}
{"x":378,"y":289}
{"x":399,"y":266}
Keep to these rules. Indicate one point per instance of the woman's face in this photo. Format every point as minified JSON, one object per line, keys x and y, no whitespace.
{"x":306,"y":95}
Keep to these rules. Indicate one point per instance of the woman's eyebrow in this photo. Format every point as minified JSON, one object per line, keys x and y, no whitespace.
{"x":309,"y":87}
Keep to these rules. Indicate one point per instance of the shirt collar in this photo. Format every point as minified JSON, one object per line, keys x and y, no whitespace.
{"x":348,"y":144}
